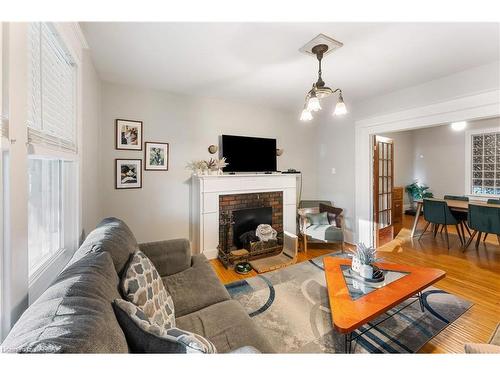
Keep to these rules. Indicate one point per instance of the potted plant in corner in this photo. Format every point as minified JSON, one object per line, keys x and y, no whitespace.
{"x":415,"y":192}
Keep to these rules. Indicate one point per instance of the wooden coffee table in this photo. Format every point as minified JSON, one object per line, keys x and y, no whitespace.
{"x":354,"y":302}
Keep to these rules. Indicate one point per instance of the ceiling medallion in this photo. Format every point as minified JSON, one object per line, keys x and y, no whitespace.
{"x":320,"y":91}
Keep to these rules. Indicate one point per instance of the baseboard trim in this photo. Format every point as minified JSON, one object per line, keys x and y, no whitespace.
{"x":211,"y":254}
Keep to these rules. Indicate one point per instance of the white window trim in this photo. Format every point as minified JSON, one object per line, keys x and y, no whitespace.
{"x":50,"y":268}
{"x":468,"y":162}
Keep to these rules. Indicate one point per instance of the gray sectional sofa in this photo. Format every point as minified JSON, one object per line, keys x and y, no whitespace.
{"x":75,"y":315}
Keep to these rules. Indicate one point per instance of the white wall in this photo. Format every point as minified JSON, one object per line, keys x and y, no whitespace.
{"x":338,"y":140}
{"x":160,"y":210}
{"x":439,"y":157}
{"x":434,"y":156}
{"x":335,"y":140}
{"x":91,"y":147}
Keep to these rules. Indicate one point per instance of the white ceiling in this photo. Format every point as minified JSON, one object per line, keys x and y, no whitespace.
{"x":260,"y":62}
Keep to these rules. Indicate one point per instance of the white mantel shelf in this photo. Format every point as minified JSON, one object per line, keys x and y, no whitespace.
{"x":205,"y":194}
{"x":237,"y":175}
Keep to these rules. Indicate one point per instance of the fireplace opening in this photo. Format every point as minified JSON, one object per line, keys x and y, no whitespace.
{"x":249,"y":219}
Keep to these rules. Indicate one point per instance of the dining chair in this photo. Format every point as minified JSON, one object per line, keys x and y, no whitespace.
{"x":461,"y":216}
{"x":483,"y":219}
{"x":491,"y":201}
{"x":437,"y":212}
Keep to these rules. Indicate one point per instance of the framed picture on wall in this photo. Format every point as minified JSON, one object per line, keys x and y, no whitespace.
{"x":156,"y":156}
{"x":128,"y":135}
{"x":128,"y":173}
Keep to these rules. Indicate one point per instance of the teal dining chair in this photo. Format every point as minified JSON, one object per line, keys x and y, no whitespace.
{"x":461,"y":216}
{"x":483,"y":219}
{"x":491,"y":201}
{"x":437,"y":212}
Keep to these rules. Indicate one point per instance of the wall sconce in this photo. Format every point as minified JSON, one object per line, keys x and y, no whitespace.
{"x":213,"y":149}
{"x":279,"y":151}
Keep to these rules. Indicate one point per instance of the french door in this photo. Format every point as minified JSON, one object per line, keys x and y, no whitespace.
{"x":383,"y":182}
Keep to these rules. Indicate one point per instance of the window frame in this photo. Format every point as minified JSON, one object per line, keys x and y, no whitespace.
{"x":468,"y":161}
{"x":44,"y":273}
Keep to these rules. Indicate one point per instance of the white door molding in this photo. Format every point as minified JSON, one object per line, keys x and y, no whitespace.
{"x":473,"y":107}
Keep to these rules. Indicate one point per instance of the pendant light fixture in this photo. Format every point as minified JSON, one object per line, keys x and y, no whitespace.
{"x":320,"y":91}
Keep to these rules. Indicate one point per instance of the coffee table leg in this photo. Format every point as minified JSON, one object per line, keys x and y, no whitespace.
{"x":421,"y":301}
{"x":347,"y":343}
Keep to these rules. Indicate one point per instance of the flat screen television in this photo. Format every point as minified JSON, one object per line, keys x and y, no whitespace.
{"x":249,"y":154}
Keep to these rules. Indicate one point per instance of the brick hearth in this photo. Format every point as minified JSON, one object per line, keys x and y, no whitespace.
{"x":233,"y":202}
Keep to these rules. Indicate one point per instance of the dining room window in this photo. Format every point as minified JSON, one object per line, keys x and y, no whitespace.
{"x":485,"y":162}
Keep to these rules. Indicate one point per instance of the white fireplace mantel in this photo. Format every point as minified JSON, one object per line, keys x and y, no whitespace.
{"x":205,"y":203}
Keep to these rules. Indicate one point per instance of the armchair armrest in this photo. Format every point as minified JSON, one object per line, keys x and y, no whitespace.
{"x":170,"y":256}
{"x":303,"y":220}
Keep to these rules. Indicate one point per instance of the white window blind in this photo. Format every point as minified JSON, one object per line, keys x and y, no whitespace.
{"x":52,"y":89}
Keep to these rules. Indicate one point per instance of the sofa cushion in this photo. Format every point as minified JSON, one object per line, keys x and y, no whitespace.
{"x":195,"y":288}
{"x":143,"y":336}
{"x":113,"y":236}
{"x":227,"y":325}
{"x":143,"y":286}
{"x":74,"y":315}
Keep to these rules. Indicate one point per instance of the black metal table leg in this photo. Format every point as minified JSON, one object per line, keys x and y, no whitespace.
{"x":421,"y":301}
{"x":347,"y":342}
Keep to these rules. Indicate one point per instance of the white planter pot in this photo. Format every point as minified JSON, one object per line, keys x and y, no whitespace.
{"x":366,"y":271}
{"x":355,"y":264}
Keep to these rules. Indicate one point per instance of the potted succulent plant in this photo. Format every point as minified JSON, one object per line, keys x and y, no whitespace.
{"x":362,"y":261}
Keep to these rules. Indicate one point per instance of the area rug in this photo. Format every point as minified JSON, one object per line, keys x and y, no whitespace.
{"x":291,"y":306}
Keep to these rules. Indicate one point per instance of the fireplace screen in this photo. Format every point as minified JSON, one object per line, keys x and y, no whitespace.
{"x":249,"y":219}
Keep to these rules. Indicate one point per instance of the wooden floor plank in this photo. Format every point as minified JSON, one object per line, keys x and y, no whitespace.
{"x":472,"y":275}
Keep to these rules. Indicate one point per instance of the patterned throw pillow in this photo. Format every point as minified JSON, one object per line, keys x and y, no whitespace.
{"x":142,"y":285}
{"x":145,"y":337}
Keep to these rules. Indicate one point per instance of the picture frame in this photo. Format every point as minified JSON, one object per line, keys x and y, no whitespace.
{"x":128,"y":173}
{"x":128,"y":135}
{"x":156,"y":156}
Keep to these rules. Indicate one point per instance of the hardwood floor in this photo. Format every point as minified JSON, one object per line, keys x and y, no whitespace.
{"x":472,"y":275}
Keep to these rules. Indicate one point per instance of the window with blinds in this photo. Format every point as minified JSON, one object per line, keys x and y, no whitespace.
{"x":53,"y":203}
{"x":52,"y":89}
{"x":486,"y":164}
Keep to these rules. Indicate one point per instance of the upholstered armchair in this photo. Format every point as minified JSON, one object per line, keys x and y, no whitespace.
{"x":322,"y":224}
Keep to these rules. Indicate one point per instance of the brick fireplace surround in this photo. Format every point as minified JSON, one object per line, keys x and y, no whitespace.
{"x":234,"y":202}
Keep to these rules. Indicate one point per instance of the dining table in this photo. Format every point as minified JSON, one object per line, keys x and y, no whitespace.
{"x":453,"y":204}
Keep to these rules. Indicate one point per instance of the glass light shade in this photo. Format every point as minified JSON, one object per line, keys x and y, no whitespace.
{"x":340,"y":109}
{"x":306,"y":115}
{"x":313,"y":104}
{"x":458,"y":126}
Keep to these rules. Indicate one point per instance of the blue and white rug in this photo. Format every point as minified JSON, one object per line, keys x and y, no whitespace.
{"x":291,"y":306}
